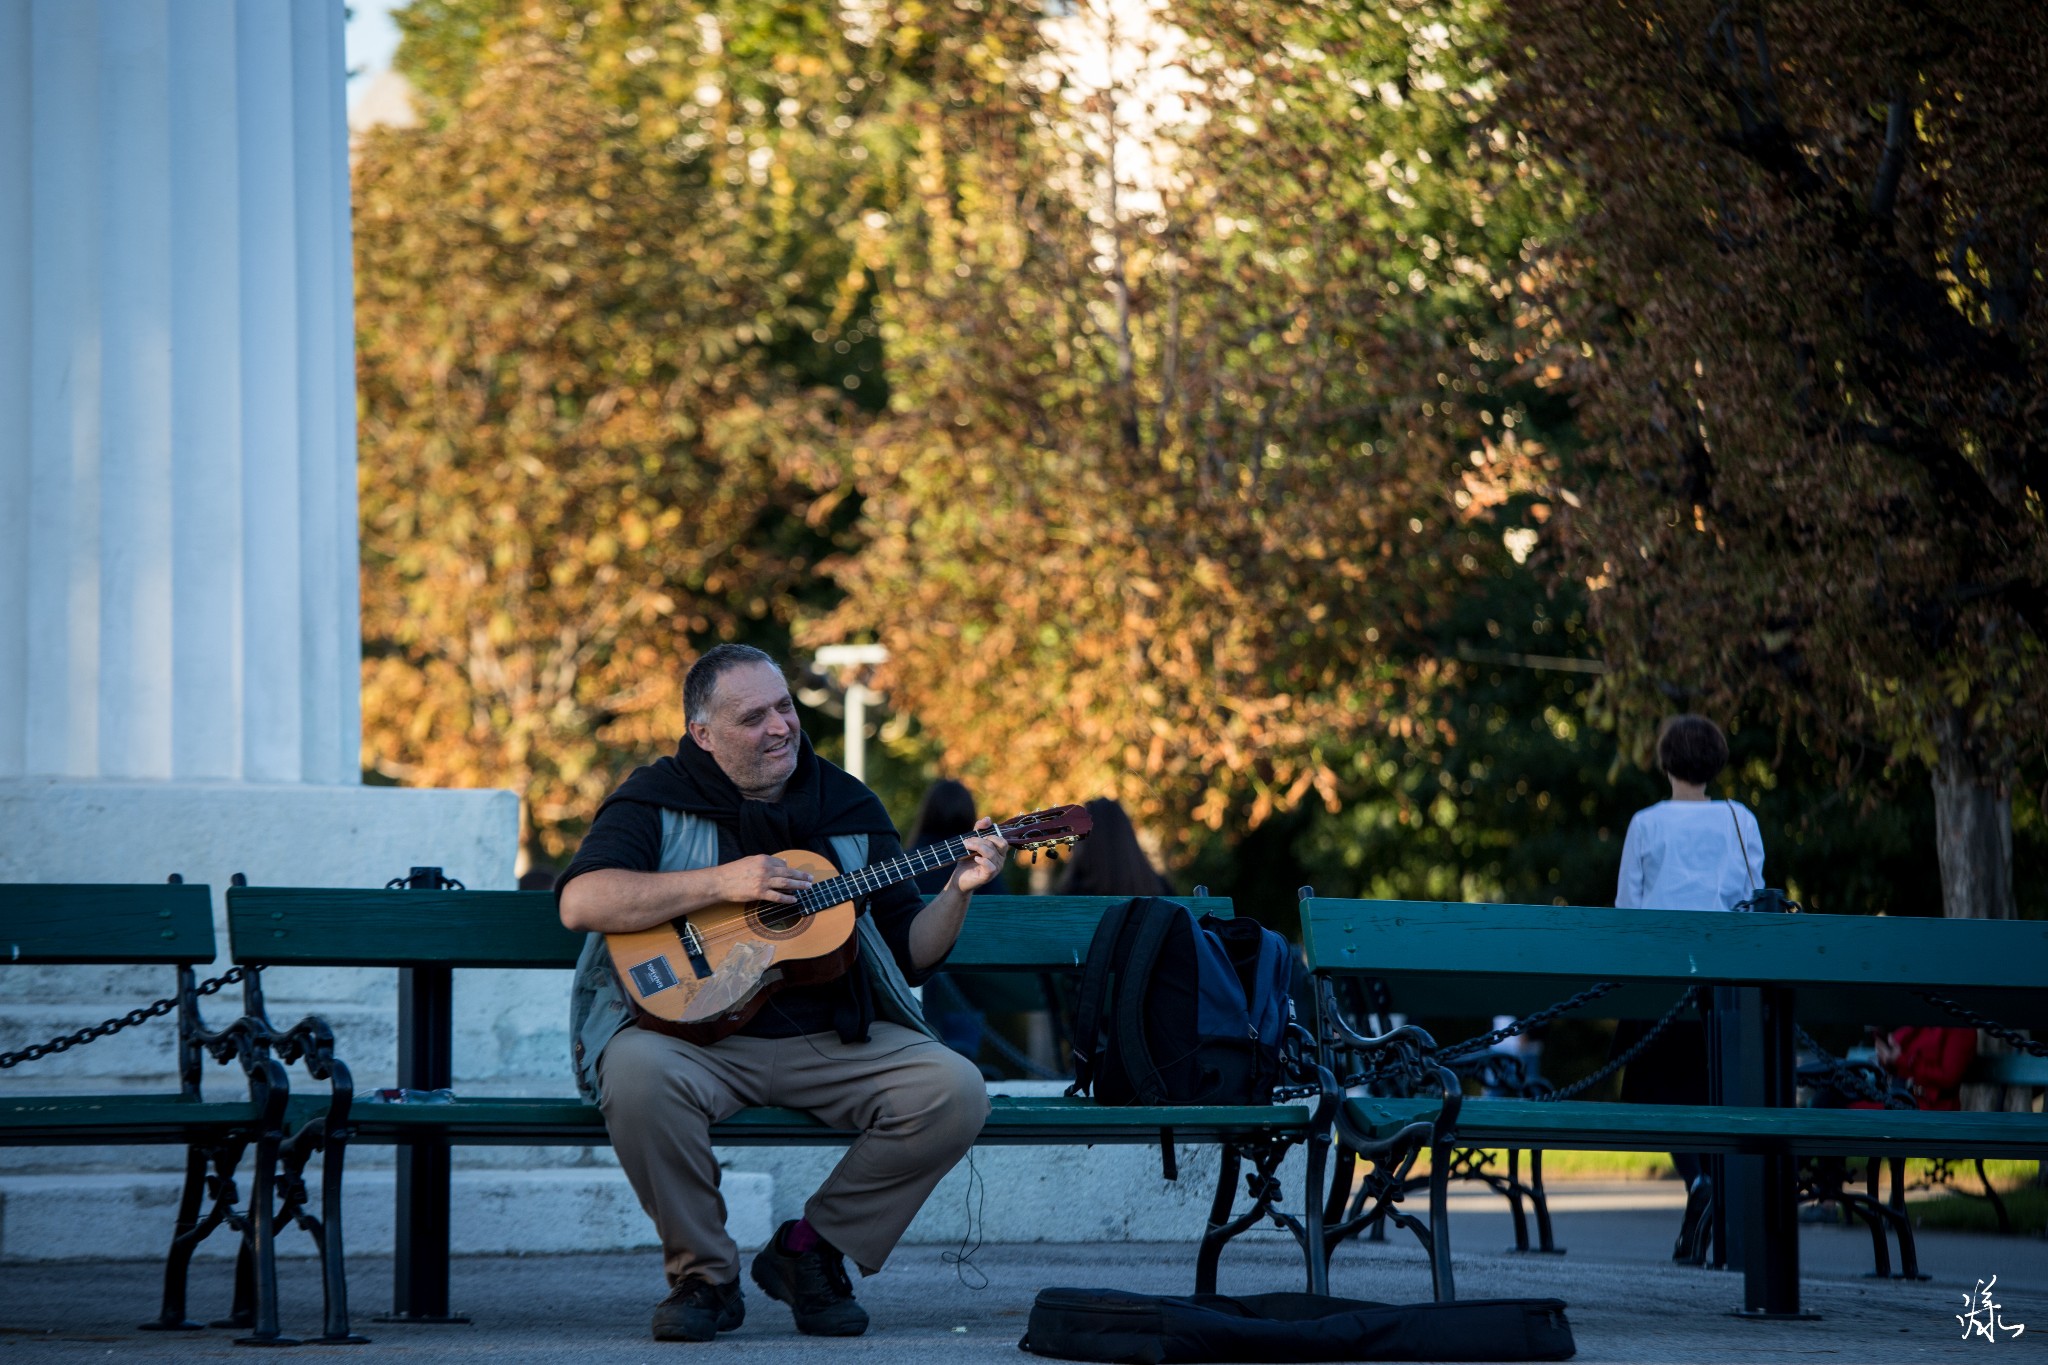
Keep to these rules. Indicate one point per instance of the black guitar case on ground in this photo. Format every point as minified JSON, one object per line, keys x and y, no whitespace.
{"x":1111,"y":1325}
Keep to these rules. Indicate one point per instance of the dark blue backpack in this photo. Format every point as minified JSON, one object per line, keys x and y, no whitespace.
{"x":1179,"y":1010}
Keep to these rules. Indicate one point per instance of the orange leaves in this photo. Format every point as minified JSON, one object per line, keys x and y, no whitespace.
{"x":1173,"y":485}
{"x":570,"y":469}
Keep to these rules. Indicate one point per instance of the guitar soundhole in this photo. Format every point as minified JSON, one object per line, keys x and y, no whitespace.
{"x":776,"y":921}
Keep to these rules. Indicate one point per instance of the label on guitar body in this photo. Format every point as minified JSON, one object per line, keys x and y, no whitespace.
{"x":653,"y":976}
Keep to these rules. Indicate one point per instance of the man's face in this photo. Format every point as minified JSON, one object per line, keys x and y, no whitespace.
{"x":752,"y":733}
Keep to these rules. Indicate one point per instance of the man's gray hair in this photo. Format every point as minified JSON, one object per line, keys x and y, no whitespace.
{"x":702,"y":679}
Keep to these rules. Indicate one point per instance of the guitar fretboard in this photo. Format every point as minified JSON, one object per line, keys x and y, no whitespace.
{"x":839,"y":890}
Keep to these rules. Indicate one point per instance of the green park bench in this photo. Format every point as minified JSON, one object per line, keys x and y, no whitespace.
{"x":172,"y":925}
{"x":1773,"y":973}
{"x":2008,"y":1073}
{"x":429,"y":934}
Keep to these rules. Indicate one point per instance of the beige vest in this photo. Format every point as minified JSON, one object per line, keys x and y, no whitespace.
{"x":597,"y":1008}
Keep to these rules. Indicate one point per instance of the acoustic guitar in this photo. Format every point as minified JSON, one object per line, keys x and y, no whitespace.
{"x":702,"y":976}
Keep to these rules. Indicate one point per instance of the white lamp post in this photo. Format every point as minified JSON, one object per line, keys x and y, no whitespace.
{"x":857,"y":698}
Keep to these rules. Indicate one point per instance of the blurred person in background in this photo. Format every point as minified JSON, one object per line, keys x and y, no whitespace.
{"x":946,"y":812}
{"x":1111,"y":861}
{"x":1687,"y":853}
{"x":954,"y":1004}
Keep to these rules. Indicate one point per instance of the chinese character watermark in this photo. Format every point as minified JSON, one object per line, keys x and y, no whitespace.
{"x":1983,"y":1319}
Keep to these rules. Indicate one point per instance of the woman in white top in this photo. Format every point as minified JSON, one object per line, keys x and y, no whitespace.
{"x":1688,"y":853}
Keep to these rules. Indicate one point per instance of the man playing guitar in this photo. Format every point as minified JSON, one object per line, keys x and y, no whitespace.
{"x":702,"y":829}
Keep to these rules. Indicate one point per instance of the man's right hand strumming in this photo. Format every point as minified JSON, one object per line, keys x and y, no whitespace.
{"x":763,"y":877}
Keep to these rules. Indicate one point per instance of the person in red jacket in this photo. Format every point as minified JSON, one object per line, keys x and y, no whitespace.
{"x":1931,"y":1061}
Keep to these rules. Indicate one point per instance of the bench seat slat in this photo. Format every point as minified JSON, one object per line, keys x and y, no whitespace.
{"x":1593,"y":1126}
{"x":36,"y":1120}
{"x":1013,"y":1120}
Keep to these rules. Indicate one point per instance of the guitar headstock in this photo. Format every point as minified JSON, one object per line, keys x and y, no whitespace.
{"x":1048,"y":828}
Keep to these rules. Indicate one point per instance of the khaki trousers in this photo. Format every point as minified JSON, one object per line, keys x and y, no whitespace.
{"x":917,"y":1105}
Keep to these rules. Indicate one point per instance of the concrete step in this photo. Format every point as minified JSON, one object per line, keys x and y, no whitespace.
{"x":123,"y":1216}
{"x":579,"y":1201}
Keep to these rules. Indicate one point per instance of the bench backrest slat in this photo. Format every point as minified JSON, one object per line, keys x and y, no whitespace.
{"x":284,"y":926}
{"x":1464,"y":959}
{"x":1043,"y":933}
{"x":86,"y":923}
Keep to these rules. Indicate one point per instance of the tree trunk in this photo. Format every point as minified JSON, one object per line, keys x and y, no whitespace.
{"x":1973,"y":835}
{"x":1972,"y":825}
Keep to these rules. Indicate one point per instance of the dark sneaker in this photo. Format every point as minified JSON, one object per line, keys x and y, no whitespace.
{"x":813,"y":1284}
{"x":697,"y":1310}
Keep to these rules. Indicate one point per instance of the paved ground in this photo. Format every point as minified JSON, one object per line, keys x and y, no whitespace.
{"x":1627,"y":1302}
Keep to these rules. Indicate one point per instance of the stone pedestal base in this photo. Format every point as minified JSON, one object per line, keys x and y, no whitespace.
{"x":54,"y":830}
{"x":277,"y":835}
{"x":280,"y":834}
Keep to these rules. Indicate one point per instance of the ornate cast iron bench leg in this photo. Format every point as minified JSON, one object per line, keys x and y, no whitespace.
{"x":1400,"y":1058}
{"x":312,"y":1041}
{"x":1997,"y":1204}
{"x":1546,"y":1243}
{"x":1445,"y":1286}
{"x":1214,"y":1236}
{"x":192,"y":1229}
{"x":1514,"y":1193}
{"x":1263,"y":1185}
{"x":255,"y":1303}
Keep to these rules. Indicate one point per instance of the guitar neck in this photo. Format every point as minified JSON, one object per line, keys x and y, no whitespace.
{"x":868,"y":880}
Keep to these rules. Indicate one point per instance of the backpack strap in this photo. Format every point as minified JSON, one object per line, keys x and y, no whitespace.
{"x":1158,"y":918}
{"x":1086,"y":1045}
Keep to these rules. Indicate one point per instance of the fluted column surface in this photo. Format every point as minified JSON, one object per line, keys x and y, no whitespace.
{"x":178,"y":592}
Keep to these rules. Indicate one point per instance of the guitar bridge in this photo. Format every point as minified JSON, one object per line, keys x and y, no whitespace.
{"x":693,"y":949}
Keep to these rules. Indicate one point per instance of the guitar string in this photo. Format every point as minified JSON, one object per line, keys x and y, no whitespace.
{"x":860,"y":882}
{"x":740,"y":927}
{"x":807,"y":904}
{"x":864,"y":881}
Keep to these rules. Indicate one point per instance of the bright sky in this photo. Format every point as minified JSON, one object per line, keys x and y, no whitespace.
{"x":372,"y":38}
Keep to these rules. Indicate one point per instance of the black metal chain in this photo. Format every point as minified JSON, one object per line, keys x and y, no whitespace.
{"x":1445,"y":1055}
{"x":1542,"y":1016}
{"x":1685,"y":998}
{"x":1847,"y":1077}
{"x":2011,"y":1037}
{"x":156,"y":1009}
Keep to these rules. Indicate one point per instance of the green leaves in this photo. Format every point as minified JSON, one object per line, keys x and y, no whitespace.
{"x":1172,"y":374}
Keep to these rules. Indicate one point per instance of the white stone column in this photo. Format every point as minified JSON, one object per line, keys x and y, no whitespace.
{"x":179,"y":564}
{"x":180,"y":659}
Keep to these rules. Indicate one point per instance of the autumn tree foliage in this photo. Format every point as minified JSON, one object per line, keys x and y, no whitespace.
{"x":605,"y":327}
{"x":1815,"y":373}
{"x":1199,"y":323}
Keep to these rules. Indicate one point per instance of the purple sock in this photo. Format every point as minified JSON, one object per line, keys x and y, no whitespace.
{"x":800,"y":1237}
